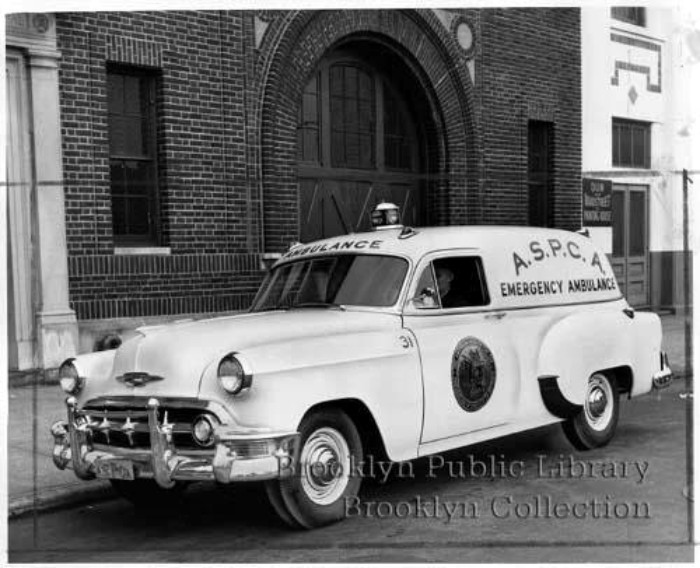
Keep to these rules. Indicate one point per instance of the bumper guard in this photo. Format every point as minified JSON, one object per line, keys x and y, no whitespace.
{"x":663,"y":378}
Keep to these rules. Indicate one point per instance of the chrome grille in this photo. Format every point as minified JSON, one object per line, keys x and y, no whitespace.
{"x":127,"y":427}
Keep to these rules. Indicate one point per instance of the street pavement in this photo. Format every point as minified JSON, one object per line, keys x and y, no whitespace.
{"x":534,"y":499}
{"x":35,"y":484}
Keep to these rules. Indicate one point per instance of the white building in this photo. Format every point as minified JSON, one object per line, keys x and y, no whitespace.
{"x":638,"y":135}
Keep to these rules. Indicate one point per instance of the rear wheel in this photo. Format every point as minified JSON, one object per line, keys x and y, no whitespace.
{"x":595,"y":425}
{"x":316,"y":493}
{"x":146,"y":494}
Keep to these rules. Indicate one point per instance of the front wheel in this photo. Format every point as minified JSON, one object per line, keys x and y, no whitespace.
{"x":316,"y":494}
{"x":594,"y":426}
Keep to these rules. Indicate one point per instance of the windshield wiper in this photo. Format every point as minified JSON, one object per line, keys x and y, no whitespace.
{"x":319,"y":305}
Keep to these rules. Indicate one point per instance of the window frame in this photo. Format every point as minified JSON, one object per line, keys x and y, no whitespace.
{"x":617,"y":153}
{"x":428,"y":262}
{"x":149,"y":122}
{"x":540,"y":182}
{"x":312,"y":258}
{"x":633,"y":15}
{"x":380,"y":81}
{"x":339,"y":159}
{"x":303,"y":126}
{"x":410,"y":137}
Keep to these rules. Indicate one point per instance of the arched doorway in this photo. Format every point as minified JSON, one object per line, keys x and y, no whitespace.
{"x":361,"y":140}
{"x":411,"y":51}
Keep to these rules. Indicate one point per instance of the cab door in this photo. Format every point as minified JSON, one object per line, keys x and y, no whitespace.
{"x":469,"y":364}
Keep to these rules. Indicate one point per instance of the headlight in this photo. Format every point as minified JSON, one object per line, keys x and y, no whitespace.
{"x":70,"y":380}
{"x":234,"y":375}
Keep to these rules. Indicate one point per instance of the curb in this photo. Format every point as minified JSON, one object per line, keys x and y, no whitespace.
{"x":59,"y":498}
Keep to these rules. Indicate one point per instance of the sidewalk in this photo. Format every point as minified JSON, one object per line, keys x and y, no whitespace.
{"x":54,"y":488}
{"x":34,"y":483}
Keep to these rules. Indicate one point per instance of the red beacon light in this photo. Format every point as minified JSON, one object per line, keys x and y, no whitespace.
{"x":386,"y":216}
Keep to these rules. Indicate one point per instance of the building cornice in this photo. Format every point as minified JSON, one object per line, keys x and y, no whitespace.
{"x":34,"y":32}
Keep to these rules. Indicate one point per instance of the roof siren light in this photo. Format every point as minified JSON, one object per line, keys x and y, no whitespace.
{"x":386,"y":216}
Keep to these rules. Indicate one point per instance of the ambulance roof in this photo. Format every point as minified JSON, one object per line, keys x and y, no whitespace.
{"x":428,"y":239}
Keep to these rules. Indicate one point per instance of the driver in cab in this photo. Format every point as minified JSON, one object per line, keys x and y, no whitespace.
{"x":450,"y":297}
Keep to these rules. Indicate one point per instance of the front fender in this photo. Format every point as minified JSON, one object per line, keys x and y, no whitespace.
{"x":95,"y":368}
{"x":377,"y":368}
{"x":580,"y":344}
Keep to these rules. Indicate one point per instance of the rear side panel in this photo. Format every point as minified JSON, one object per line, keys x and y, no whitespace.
{"x":583,"y":343}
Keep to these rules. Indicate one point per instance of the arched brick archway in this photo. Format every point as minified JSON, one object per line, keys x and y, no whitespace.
{"x":301,"y":40}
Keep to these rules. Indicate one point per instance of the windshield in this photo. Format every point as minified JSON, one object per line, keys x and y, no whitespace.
{"x":348,"y":279}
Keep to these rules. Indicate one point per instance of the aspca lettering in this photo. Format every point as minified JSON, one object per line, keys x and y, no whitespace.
{"x":341,"y":245}
{"x":552,"y":248}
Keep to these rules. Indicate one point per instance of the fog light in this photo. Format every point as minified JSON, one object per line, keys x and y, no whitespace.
{"x":70,"y":380}
{"x":203,"y":431}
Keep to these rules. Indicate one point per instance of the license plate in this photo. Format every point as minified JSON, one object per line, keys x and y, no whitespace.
{"x":114,"y":469}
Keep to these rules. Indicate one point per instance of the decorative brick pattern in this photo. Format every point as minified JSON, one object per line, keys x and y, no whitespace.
{"x":635,"y":68}
{"x":144,"y":53}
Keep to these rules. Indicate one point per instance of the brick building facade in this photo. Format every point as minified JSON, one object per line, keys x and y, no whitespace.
{"x":274,"y":126}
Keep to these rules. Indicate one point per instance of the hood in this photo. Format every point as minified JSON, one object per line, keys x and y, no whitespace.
{"x":180,"y":352}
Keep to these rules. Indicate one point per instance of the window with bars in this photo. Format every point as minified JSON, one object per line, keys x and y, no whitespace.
{"x":540,"y":168}
{"x":631,"y":14}
{"x":133,"y":156}
{"x":631,"y":143}
{"x":352,"y":117}
{"x":399,"y":141}
{"x":308,"y":123}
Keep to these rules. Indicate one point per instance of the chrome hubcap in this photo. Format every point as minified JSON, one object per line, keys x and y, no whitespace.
{"x":325,"y":466}
{"x":597,"y":402}
{"x":597,"y":405}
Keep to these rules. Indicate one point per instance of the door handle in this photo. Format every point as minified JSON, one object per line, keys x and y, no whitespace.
{"x":496,"y":315}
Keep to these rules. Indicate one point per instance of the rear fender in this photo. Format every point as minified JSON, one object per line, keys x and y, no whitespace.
{"x":583,"y":343}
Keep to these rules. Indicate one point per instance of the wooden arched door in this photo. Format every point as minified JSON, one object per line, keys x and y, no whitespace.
{"x":357,"y":144}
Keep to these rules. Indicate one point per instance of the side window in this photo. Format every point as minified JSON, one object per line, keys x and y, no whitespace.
{"x":426,"y":290}
{"x":461,"y":282}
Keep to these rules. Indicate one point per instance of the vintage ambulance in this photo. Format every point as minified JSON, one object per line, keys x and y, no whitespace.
{"x":403,"y":341}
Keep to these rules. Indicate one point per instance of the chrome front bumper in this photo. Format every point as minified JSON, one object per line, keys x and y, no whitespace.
{"x":73,"y":448}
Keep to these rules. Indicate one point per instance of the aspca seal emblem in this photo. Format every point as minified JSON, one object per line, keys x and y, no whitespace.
{"x":473,"y":374}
